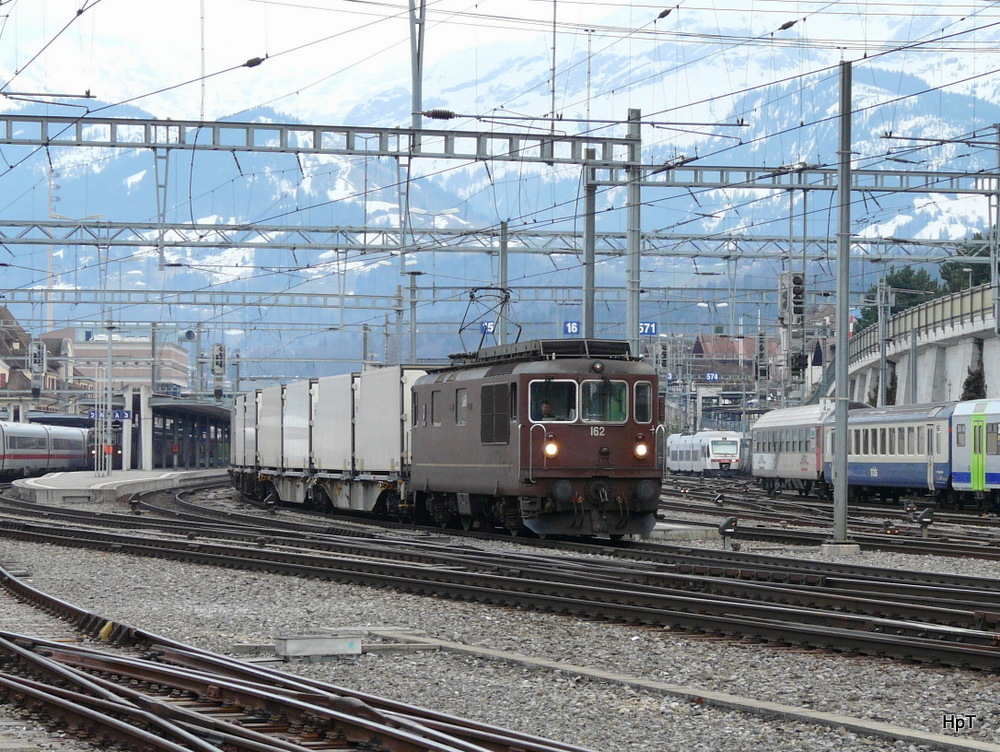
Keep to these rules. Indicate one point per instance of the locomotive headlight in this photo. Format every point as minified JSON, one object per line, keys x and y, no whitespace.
{"x":551,"y":448}
{"x":641,"y":448}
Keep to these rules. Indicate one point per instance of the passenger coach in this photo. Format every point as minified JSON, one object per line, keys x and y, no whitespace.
{"x":975,"y":451}
{"x":895,"y":449}
{"x":787,"y":449}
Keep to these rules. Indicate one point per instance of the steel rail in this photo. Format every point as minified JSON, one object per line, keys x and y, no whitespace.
{"x":105,"y":709}
{"x":718,"y":614}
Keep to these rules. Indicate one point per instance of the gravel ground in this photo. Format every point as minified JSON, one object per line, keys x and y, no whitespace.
{"x":217,"y":609}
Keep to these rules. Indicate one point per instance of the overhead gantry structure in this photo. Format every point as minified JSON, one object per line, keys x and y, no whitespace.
{"x":606,"y":162}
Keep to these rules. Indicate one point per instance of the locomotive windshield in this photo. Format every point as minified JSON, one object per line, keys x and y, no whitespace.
{"x":552,"y":400}
{"x":726,"y":448}
{"x":605,"y":401}
{"x":600,"y":401}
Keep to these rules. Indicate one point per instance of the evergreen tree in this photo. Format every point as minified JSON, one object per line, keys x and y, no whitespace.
{"x":974,"y":386}
{"x":954,"y":274}
{"x":911,"y":287}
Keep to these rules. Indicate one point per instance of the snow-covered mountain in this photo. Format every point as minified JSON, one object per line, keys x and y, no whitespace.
{"x":763,"y":103}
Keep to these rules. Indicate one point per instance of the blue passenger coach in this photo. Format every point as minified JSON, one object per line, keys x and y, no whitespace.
{"x":895,"y":449}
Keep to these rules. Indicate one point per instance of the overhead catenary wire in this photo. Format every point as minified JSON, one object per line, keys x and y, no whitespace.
{"x":527,"y":215}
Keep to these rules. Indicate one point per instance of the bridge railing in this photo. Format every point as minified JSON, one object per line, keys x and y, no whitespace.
{"x":963,"y":307}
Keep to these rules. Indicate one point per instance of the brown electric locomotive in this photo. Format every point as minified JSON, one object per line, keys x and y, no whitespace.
{"x":556,"y":436}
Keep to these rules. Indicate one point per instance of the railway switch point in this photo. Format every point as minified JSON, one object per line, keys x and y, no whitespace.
{"x":312,"y":647}
{"x":837,"y":550}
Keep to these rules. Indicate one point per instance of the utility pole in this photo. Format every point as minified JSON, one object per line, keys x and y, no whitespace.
{"x":634,"y":191}
{"x":840,"y":542}
{"x":589,"y":242}
{"x":884,"y":303}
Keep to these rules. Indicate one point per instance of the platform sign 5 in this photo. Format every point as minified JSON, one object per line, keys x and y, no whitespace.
{"x":486,"y":327}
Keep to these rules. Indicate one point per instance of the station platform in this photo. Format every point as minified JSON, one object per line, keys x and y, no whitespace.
{"x":80,"y":487}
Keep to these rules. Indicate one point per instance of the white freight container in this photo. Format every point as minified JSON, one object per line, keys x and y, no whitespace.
{"x":269,"y":426}
{"x":333,"y":415}
{"x":250,"y":430}
{"x":237,"y":440}
{"x":296,"y":417}
{"x":382,"y":420}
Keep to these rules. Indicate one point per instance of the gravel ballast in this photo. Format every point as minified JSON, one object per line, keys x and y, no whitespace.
{"x":218,"y":609}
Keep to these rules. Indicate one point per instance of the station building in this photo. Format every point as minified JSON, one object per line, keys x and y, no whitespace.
{"x":159,"y":420}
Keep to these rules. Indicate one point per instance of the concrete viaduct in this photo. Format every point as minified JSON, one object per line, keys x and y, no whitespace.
{"x":930,"y":348}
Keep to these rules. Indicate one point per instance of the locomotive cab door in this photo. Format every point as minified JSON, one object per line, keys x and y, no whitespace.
{"x":978,"y":463}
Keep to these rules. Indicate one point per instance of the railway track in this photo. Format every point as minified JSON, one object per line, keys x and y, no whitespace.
{"x":847,"y":609}
{"x":803,"y":521}
{"x":150,"y":693}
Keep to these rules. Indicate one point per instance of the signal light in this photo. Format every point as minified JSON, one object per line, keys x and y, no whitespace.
{"x":798,"y":294}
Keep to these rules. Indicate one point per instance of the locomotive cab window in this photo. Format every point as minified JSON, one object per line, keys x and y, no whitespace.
{"x":604,"y":401}
{"x":552,"y":400}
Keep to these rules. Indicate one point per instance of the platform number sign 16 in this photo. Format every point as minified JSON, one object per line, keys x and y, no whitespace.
{"x":572,"y":328}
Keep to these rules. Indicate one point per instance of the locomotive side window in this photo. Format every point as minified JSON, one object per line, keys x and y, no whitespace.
{"x":643,"y":402}
{"x":436,"y":408}
{"x":552,"y":401}
{"x":461,"y":407}
{"x":605,"y":401}
{"x":513,"y":403}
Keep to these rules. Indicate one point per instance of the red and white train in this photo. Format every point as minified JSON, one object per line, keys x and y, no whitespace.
{"x":34,"y":449}
{"x":707,"y":453}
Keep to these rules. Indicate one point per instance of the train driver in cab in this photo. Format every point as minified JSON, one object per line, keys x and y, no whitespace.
{"x":545,"y":411}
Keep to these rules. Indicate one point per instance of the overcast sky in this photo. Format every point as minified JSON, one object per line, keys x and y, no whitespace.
{"x":124,"y":49}
{"x":192,"y":51}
